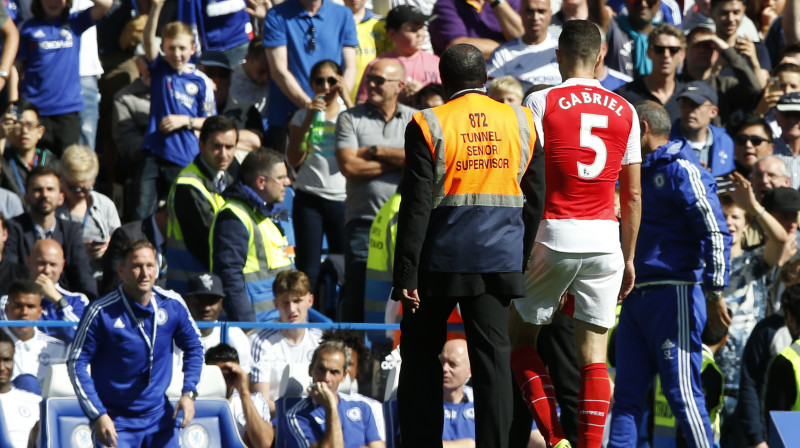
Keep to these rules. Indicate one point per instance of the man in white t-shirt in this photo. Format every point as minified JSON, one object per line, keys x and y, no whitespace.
{"x":34,"y":350}
{"x":530,"y":58}
{"x":20,"y":409}
{"x":204,"y":299}
{"x":250,"y":410}
{"x":273,"y":350}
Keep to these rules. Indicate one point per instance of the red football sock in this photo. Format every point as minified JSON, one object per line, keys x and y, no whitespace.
{"x":593,"y":403}
{"x":538,"y":392}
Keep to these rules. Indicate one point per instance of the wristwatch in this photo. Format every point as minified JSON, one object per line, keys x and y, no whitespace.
{"x":4,"y":73}
{"x":373,"y":150}
{"x":191,"y":394}
{"x":714,"y":296}
{"x":496,"y":3}
{"x":191,"y":123}
{"x":62,"y":303}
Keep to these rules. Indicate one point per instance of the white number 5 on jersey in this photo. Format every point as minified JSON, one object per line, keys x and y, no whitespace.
{"x":593,"y":142}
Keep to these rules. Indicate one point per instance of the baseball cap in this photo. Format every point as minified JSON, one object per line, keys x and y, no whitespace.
{"x":214,"y":59}
{"x":403,"y":14}
{"x":789,"y":102}
{"x":782,"y":199}
{"x":208,"y":284}
{"x":698,"y":92}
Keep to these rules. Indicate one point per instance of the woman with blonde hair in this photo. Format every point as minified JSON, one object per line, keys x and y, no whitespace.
{"x":95,"y":211}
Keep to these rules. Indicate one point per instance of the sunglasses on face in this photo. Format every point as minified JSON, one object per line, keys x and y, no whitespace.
{"x":321,"y":81}
{"x":77,"y":190}
{"x":660,"y":49}
{"x":378,"y":80}
{"x":742,"y":139}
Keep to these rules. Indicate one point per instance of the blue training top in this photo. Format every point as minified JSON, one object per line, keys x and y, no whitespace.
{"x":127,"y":382}
{"x":173,"y":93}
{"x":50,"y":49}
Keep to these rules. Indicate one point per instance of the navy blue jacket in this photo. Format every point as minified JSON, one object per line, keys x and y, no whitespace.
{"x":125,"y":383}
{"x":230,"y":247}
{"x":683,"y":235}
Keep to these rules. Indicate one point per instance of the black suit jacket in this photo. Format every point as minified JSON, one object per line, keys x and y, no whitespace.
{"x":134,"y":230}
{"x":77,"y":275}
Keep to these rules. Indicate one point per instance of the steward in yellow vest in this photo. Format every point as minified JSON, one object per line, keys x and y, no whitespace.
{"x":194,"y":199}
{"x":248,"y":245}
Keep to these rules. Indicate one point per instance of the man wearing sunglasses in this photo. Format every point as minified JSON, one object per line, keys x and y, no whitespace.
{"x":666,"y":50}
{"x":712,"y":145}
{"x":370,"y":154}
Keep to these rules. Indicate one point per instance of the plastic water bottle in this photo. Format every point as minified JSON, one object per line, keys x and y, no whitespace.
{"x":318,"y":126}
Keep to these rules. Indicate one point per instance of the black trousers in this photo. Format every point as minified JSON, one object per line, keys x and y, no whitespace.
{"x":419,"y":393}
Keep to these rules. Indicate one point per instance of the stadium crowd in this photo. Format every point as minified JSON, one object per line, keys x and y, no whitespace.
{"x":259,"y":146}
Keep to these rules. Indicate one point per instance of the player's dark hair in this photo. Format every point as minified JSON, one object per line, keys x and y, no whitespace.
{"x":4,"y":337}
{"x":655,"y":115}
{"x":37,"y":10}
{"x":23,"y":286}
{"x":132,"y":246}
{"x":702,"y":30}
{"x":431,"y":89}
{"x":260,"y":162}
{"x":44,"y":170}
{"x":462,"y":66}
{"x":330,"y":347}
{"x":580,"y":41}
{"x":22,"y":105}
{"x":713,"y":337}
{"x":751,"y":119}
{"x":222,"y":353}
{"x":789,"y":49}
{"x":785,"y":67}
{"x":255,"y":49}
{"x":790,"y":301}
{"x":217,"y":123}
{"x":352,"y":340}
{"x":714,"y":3}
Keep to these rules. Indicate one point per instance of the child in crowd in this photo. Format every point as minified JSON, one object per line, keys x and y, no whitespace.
{"x":48,"y":59}
{"x":431,"y":95}
{"x":506,"y":89}
{"x":181,"y":97}
{"x":405,"y":26}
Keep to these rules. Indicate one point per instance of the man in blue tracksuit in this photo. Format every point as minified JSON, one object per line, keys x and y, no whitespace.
{"x":126,"y":337}
{"x":681,"y":269}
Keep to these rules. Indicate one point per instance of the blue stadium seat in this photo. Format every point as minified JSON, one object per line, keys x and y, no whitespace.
{"x":784,"y":429}
{"x":212,"y":426}
{"x":4,"y":442}
{"x":63,"y":423}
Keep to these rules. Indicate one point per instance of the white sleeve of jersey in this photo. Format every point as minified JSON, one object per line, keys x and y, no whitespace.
{"x":537,"y":102}
{"x":633,"y":153}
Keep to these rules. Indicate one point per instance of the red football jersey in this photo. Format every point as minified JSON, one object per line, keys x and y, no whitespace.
{"x":588,"y":133}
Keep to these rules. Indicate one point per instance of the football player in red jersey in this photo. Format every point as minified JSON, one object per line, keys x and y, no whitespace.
{"x":591,"y":140}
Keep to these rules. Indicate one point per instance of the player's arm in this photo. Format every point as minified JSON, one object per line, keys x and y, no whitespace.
{"x":10,"y":35}
{"x":415,"y":210}
{"x":258,"y":432}
{"x":533,"y":188}
{"x":791,"y":22}
{"x":630,"y":200}
{"x":776,"y":236}
{"x":354,"y":161}
{"x":278,"y":58}
{"x":460,"y":443}
{"x":704,"y":210}
{"x":83,"y":350}
{"x":149,"y":36}
{"x":509,"y":20}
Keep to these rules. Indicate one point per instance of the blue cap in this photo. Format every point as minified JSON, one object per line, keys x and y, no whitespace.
{"x":698,"y":92}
